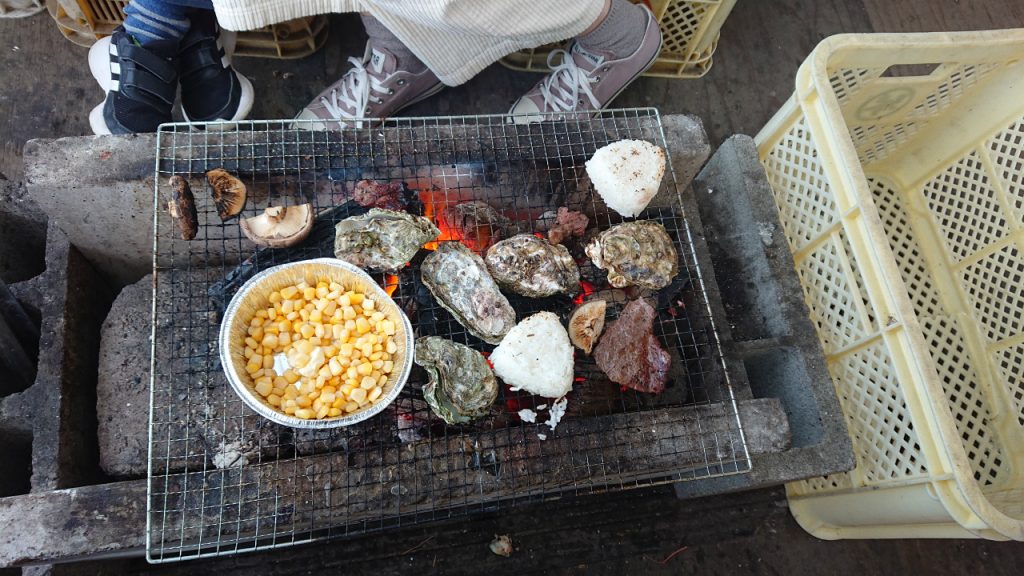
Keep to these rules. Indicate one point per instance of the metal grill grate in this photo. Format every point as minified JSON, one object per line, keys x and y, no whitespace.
{"x":222,"y":480}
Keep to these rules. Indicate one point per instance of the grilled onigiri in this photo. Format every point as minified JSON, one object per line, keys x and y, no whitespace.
{"x":627,"y":174}
{"x":536,"y":356}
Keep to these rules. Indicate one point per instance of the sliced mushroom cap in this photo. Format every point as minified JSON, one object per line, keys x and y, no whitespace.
{"x":228,"y":193}
{"x":182,"y":207}
{"x":586,"y":324}
{"x":279,"y":226}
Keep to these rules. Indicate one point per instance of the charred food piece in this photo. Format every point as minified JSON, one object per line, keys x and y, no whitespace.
{"x":567,"y":224}
{"x":533,"y":267}
{"x":228,"y":193}
{"x":382,"y":239}
{"x":182,"y":207}
{"x":639,"y":253}
{"x":373,"y":194}
{"x":279,"y":226}
{"x":536,"y":356}
{"x":630,"y":354}
{"x":475,"y":223}
{"x":462,"y":386}
{"x":586,"y":324}
{"x":459,"y":281}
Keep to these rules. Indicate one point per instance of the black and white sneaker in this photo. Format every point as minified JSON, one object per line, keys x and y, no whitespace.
{"x":140,"y":84}
{"x":211,"y":90}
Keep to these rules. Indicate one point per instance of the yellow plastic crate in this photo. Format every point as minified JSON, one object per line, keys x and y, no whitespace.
{"x":689,"y":31}
{"x":85,"y":21}
{"x":898,"y":171}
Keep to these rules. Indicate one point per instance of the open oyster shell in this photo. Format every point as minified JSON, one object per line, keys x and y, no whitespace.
{"x":462,"y":386}
{"x":531,"y":266}
{"x":459,"y":280}
{"x":638,"y":253}
{"x":382,"y":239}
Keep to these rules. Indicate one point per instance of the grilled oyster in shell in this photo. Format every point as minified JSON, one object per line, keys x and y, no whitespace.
{"x":382,"y":239}
{"x":459,"y":280}
{"x":462,"y":386}
{"x":638,"y":253}
{"x":532,"y":266}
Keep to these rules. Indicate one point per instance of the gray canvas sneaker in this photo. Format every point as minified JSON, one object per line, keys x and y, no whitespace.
{"x":585,"y":80}
{"x":372,"y":88}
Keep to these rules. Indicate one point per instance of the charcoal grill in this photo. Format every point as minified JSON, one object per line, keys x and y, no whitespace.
{"x":224,"y":480}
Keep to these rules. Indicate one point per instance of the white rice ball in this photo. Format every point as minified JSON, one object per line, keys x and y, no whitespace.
{"x":536,"y":356}
{"x":627,"y":174}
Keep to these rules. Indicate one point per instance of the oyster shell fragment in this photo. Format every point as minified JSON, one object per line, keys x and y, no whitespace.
{"x":459,"y":281}
{"x":382,"y":239}
{"x":462,"y":386}
{"x":532,"y":266}
{"x":638,"y":253}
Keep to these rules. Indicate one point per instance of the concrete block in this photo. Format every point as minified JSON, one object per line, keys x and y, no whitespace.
{"x":123,"y":394}
{"x":22,"y":234}
{"x":58,"y":409}
{"x":769,"y":340}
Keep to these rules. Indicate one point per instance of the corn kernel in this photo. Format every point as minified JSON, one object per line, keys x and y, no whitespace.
{"x":264,"y":386}
{"x":269,"y":340}
{"x":303,"y":401}
{"x":366,"y":350}
{"x":374,"y":394}
{"x":362,"y":326}
{"x":284,"y":339}
{"x":365,"y":369}
{"x":291,"y":376}
{"x":251,"y":343}
{"x":255,"y":364}
{"x":248,"y":352}
{"x":348,"y":313}
{"x":287,"y":307}
{"x":333,"y":413}
{"x":350,"y":325}
{"x":368,"y":304}
{"x":388,"y":327}
{"x":351,"y":407}
{"x":289,"y":292}
{"x":356,"y":298}
{"x":352,"y":373}
{"x":309,"y":293}
{"x":316,"y":316}
{"x":368,"y":382}
{"x":339,"y":401}
{"x":387,"y":367}
{"x":335,"y":367}
{"x":268,"y":362}
{"x":322,"y":412}
{"x":271,"y":313}
{"x":304,"y":413}
{"x":274,"y":400}
{"x":391,"y":347}
{"x":382,"y":380}
{"x":358,"y":395}
{"x":299,"y":361}
{"x":321,"y":290}
{"x":330,"y":309}
{"x":275,"y":297}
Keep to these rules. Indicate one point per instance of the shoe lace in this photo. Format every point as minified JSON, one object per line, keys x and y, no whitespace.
{"x":562,"y":88}
{"x":352,"y":95}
